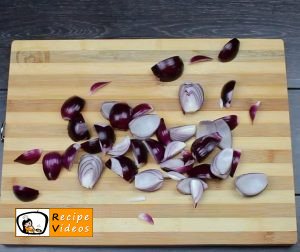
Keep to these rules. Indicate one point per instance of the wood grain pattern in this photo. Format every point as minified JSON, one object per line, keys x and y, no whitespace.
{"x":116,"y":224}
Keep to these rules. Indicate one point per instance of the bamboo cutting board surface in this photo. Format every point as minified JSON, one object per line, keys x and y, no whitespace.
{"x":43,"y":74}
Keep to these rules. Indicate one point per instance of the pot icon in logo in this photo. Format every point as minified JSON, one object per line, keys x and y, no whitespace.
{"x":30,"y":222}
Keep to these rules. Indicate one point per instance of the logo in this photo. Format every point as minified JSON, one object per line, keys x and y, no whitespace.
{"x":32,"y":222}
{"x":54,"y":222}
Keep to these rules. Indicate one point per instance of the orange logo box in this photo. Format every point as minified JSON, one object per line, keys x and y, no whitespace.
{"x":71,"y":222}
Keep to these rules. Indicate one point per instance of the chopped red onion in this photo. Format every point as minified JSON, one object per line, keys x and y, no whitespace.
{"x":141,"y":109}
{"x":229,"y":51}
{"x":191,"y":97}
{"x":69,"y":155}
{"x":97,"y":86}
{"x":52,"y":164}
{"x":24,"y":193}
{"x":29,"y":157}
{"x":199,"y":58}
{"x":253,"y":109}
{"x":227,"y":94}
{"x":71,"y":107}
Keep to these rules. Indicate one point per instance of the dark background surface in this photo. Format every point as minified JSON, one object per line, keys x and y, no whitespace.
{"x":91,"y":19}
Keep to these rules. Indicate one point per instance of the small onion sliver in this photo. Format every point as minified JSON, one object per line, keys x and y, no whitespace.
{"x":97,"y":86}
{"x":141,"y":109}
{"x":252,"y":111}
{"x":235,"y":161}
{"x":231,"y":120}
{"x":146,"y":217}
{"x":29,"y":157}
{"x":139,"y":152}
{"x":162,"y":133}
{"x":199,"y":58}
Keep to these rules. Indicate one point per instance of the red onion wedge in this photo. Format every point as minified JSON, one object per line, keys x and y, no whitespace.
{"x":251,"y":184}
{"x":175,"y":175}
{"x":199,"y":58}
{"x":139,"y":151}
{"x":203,"y":146}
{"x":227,"y":94}
{"x":231,"y":120}
{"x":182,"y":133}
{"x":106,"y":108}
{"x":120,"y":148}
{"x":52,"y":163}
{"x":191,"y":97}
{"x":225,"y":132}
{"x":173,"y":148}
{"x":91,"y":146}
{"x":169,"y":69}
{"x":235,"y":161}
{"x":253,"y":109}
{"x":222,"y":163}
{"x":201,"y":171}
{"x":90,"y":169}
{"x":122,"y":166}
{"x":71,"y":107}
{"x":229,"y":51}
{"x":106,"y":136}
{"x":149,"y":180}
{"x":156,"y":149}
{"x":141,"y":109}
{"x":69,"y":155}
{"x":97,"y":86}
{"x":144,"y":126}
{"x":162,"y":133}
{"x":29,"y":157}
{"x":77,"y":128}
{"x":24,"y":193}
{"x":146,"y":217}
{"x":120,"y":115}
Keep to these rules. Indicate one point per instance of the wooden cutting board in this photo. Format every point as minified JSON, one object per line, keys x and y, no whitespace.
{"x":43,"y":74}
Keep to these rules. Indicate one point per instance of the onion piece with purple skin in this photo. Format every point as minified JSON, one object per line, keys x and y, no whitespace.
{"x":71,"y":107}
{"x":141,"y":109}
{"x":77,"y":128}
{"x":24,"y":193}
{"x":201,"y":171}
{"x":29,"y":157}
{"x":162,"y":133}
{"x":229,"y":51}
{"x":235,"y":161}
{"x":169,"y":69}
{"x":203,"y":146}
{"x":69,"y":155}
{"x":227,"y":94}
{"x":144,"y":126}
{"x":182,"y":133}
{"x":251,"y":184}
{"x":199,"y":58}
{"x":52,"y":164}
{"x":252,"y":111}
{"x":97,"y":86}
{"x":180,"y":165}
{"x":122,"y":166}
{"x":149,"y":180}
{"x":146,"y":217}
{"x":196,"y":190}
{"x":106,"y":136}
{"x":90,"y":169}
{"x":140,"y":152}
{"x":120,"y":115}
{"x":231,"y":120}
{"x":120,"y":148}
{"x":191,"y":97}
{"x":155,"y":148}
{"x":91,"y":146}
{"x":106,"y":108}
{"x":172,"y":149}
